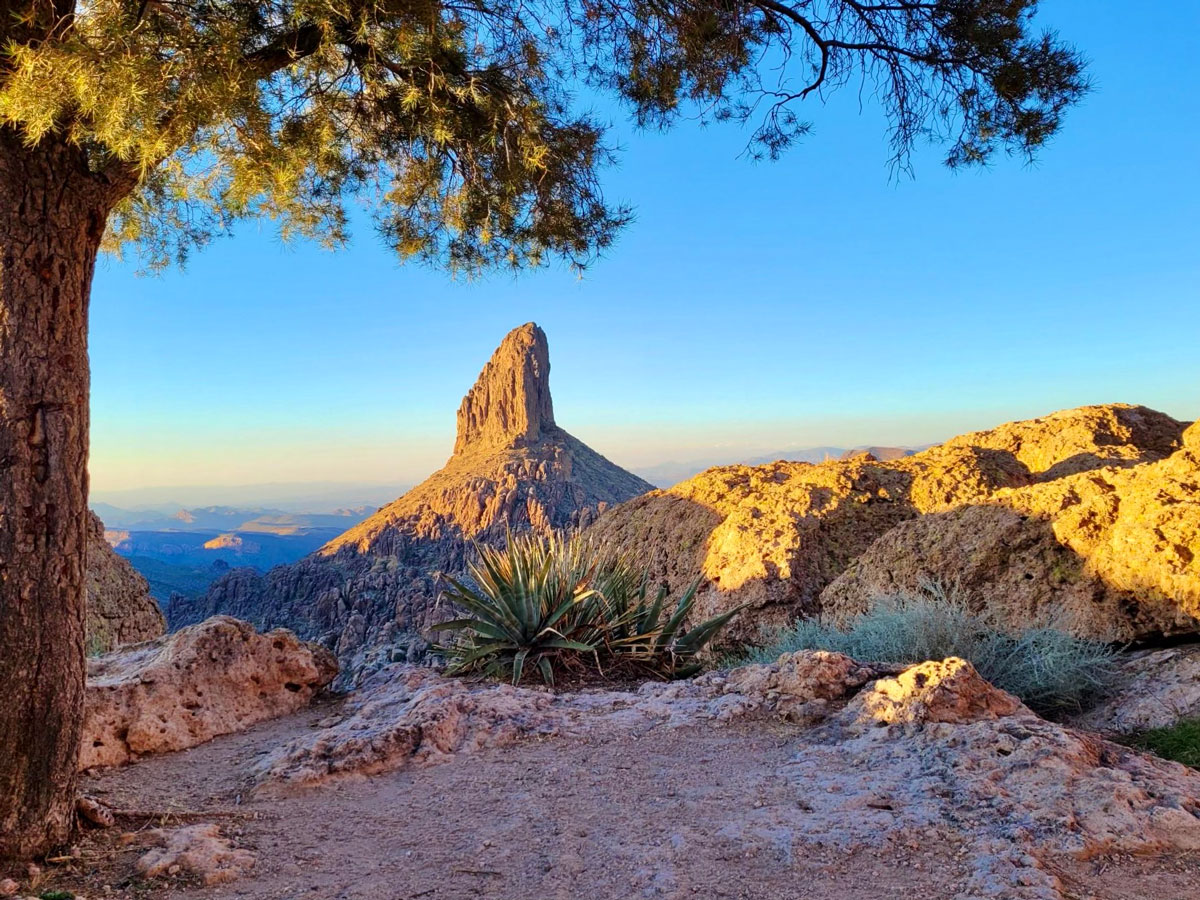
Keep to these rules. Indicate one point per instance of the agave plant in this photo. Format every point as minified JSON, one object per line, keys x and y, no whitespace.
{"x":650,"y":632}
{"x":525,"y":606}
{"x":554,"y":602}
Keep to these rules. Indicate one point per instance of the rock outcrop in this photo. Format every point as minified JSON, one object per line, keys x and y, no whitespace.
{"x":120,"y":609}
{"x":183,"y":689}
{"x":372,"y":593}
{"x":1154,"y":689}
{"x":776,"y":536}
{"x":888,"y":756}
{"x":407,"y":716}
{"x":1112,"y":553}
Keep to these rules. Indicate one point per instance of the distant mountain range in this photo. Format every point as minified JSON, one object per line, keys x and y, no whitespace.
{"x":184,"y":550}
{"x":229,"y":518}
{"x":301,"y":497}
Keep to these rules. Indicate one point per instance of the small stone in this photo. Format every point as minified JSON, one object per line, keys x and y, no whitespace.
{"x":92,"y":810}
{"x":8,"y":887}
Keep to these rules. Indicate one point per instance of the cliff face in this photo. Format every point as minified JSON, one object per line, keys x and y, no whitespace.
{"x":372,"y":592}
{"x":120,"y":609}
{"x":777,"y":536}
{"x":510,"y":404}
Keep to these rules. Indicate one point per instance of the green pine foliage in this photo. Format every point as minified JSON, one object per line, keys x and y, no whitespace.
{"x":459,"y":124}
{"x":565,"y":604}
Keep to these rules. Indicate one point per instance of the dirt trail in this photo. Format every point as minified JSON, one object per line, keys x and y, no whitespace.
{"x":654,"y":813}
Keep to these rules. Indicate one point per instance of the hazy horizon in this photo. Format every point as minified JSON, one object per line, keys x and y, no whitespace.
{"x":687,"y":458}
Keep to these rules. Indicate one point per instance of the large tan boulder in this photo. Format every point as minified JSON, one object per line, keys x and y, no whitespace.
{"x":1112,"y":553}
{"x":206,"y":680}
{"x":120,"y":609}
{"x":948,"y":690}
{"x":775,"y":536}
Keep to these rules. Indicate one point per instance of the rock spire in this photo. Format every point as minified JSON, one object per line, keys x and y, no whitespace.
{"x":510,"y":404}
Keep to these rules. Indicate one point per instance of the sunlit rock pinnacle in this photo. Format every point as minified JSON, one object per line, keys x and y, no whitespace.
{"x":510,"y":404}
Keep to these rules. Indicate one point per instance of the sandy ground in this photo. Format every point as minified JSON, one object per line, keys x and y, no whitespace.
{"x":664,"y":813}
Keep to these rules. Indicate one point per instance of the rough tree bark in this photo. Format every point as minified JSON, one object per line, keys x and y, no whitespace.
{"x":52,"y":215}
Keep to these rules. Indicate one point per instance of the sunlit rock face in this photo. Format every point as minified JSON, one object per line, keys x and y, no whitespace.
{"x":510,"y":404}
{"x":777,"y":536}
{"x":371,"y":593}
{"x":120,"y":609}
{"x":1112,"y":553}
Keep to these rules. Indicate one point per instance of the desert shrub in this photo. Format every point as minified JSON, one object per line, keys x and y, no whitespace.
{"x":1180,"y":742}
{"x":1049,"y":669}
{"x":554,"y":604}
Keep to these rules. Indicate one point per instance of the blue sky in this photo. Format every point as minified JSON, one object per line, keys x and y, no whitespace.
{"x":750,"y":308}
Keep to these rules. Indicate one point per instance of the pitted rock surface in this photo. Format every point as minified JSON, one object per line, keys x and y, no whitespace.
{"x":948,"y":690}
{"x":1112,"y":553}
{"x":776,"y":536}
{"x":183,"y":689}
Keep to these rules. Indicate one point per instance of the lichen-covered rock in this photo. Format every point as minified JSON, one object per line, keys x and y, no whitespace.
{"x":372,"y":593}
{"x":1079,"y":440}
{"x":939,"y":744}
{"x":1112,"y":553}
{"x":403,"y":716}
{"x":948,"y":690}
{"x":199,"y":851}
{"x":180,"y":690}
{"x":1154,"y":689}
{"x":412,"y":716}
{"x":120,"y":609}
{"x":775,"y":536}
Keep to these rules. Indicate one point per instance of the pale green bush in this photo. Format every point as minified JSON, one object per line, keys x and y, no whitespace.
{"x":1049,"y":669}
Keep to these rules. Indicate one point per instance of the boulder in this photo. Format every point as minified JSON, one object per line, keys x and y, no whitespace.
{"x":938,"y":743}
{"x":1079,"y":440}
{"x":775,"y":536}
{"x":1112,"y":553}
{"x":206,"y":680}
{"x":1154,"y":689}
{"x":948,"y":690}
{"x":120,"y":609}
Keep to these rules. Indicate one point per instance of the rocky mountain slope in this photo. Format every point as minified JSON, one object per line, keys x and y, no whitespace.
{"x":372,"y":592}
{"x":120,"y":609}
{"x":1111,"y":552}
{"x":776,"y":536}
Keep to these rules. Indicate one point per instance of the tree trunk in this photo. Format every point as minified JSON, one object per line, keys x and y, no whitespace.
{"x":52,"y":214}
